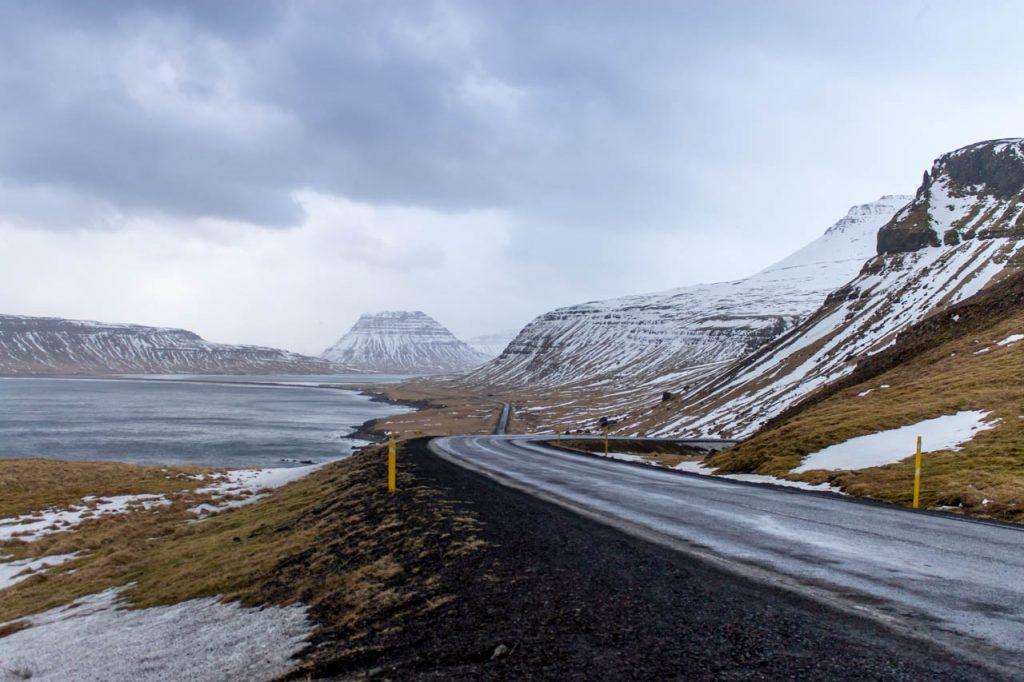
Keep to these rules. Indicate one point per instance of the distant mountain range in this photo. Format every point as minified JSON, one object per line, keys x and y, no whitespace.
{"x":403,"y":342}
{"x":50,"y":345}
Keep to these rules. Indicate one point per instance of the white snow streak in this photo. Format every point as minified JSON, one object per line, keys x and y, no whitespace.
{"x":29,"y":527}
{"x":948,"y":432}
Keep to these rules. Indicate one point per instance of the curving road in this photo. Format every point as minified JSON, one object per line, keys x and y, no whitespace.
{"x":947,"y":579}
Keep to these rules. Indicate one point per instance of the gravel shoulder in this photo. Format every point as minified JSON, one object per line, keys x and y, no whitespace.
{"x":564,"y":597}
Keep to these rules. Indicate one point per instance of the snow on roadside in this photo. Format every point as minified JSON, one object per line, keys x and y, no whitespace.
{"x":1012,"y":338}
{"x":29,"y":527}
{"x":12,"y":572}
{"x":948,"y":432}
{"x":241,"y":487}
{"x":704,"y":470}
{"x":626,"y":457}
{"x":96,"y":638}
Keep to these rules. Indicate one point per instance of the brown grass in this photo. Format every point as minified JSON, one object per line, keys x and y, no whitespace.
{"x":29,"y":485}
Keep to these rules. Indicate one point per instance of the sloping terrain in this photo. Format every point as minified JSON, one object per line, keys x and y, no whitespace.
{"x":641,"y":339}
{"x":969,"y":358}
{"x":50,"y":345}
{"x":963,"y":230}
{"x":403,"y":342}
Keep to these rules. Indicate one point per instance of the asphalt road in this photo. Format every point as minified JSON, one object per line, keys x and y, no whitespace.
{"x":949,"y":580}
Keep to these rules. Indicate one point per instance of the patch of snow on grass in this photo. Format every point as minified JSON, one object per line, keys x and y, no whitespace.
{"x":626,"y":457}
{"x":12,"y":572}
{"x":694,"y":468}
{"x":240,"y":487}
{"x":96,"y":638}
{"x":948,"y":432}
{"x":704,"y":470}
{"x":1012,"y":338}
{"x":29,"y":527}
{"x":983,"y":350}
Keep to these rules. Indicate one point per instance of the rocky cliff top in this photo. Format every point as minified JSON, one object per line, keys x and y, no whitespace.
{"x":973,"y":192}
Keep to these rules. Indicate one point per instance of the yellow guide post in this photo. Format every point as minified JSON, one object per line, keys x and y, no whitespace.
{"x":606,"y":440}
{"x":558,"y":437}
{"x":917,"y":474}
{"x":392,"y":464}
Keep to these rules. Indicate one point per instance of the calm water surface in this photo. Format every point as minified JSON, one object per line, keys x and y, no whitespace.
{"x":215,"y":421}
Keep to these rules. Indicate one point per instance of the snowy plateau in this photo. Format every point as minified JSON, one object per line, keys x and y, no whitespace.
{"x":403,"y":342}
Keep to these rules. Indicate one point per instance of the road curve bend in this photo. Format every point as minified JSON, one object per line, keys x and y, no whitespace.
{"x":952,"y":580}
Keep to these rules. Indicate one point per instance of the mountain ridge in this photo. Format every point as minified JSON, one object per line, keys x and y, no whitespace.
{"x":54,"y":345}
{"x":658,"y":334}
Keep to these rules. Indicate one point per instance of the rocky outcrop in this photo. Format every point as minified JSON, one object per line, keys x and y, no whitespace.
{"x":973,"y":192}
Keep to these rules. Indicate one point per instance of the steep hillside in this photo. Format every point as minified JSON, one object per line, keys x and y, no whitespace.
{"x":403,"y":342}
{"x":644,"y":338}
{"x":963,"y":230}
{"x":50,"y":345}
{"x":966,"y":361}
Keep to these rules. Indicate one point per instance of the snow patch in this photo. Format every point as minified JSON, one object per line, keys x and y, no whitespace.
{"x":96,"y":638}
{"x":242,"y":487}
{"x":1012,"y":338}
{"x":12,"y":572}
{"x":948,"y":432}
{"x":29,"y":527}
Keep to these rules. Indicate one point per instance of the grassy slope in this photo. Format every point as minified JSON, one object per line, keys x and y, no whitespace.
{"x":932,"y":370}
{"x":28,"y":485}
{"x":334,"y":540}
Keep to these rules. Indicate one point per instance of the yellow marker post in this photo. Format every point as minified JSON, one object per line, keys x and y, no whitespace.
{"x":392,"y":463}
{"x":606,"y":440}
{"x":558,"y":437}
{"x":917,"y":474}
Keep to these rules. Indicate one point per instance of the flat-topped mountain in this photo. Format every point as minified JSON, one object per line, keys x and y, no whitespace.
{"x":52,"y":345}
{"x":403,"y":342}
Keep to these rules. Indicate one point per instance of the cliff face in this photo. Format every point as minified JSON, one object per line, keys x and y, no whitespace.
{"x":643,"y":339}
{"x":403,"y":342}
{"x":50,"y":345}
{"x":973,"y":192}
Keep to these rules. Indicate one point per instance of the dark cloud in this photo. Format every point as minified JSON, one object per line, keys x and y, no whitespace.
{"x":585,"y":115}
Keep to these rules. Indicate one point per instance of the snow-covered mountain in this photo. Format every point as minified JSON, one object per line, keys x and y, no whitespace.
{"x":50,"y":345}
{"x":651,"y":337}
{"x":491,"y":345}
{"x":963,"y":230}
{"x":403,"y":342}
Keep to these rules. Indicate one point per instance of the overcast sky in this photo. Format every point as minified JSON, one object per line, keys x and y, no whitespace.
{"x":264,"y":172}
